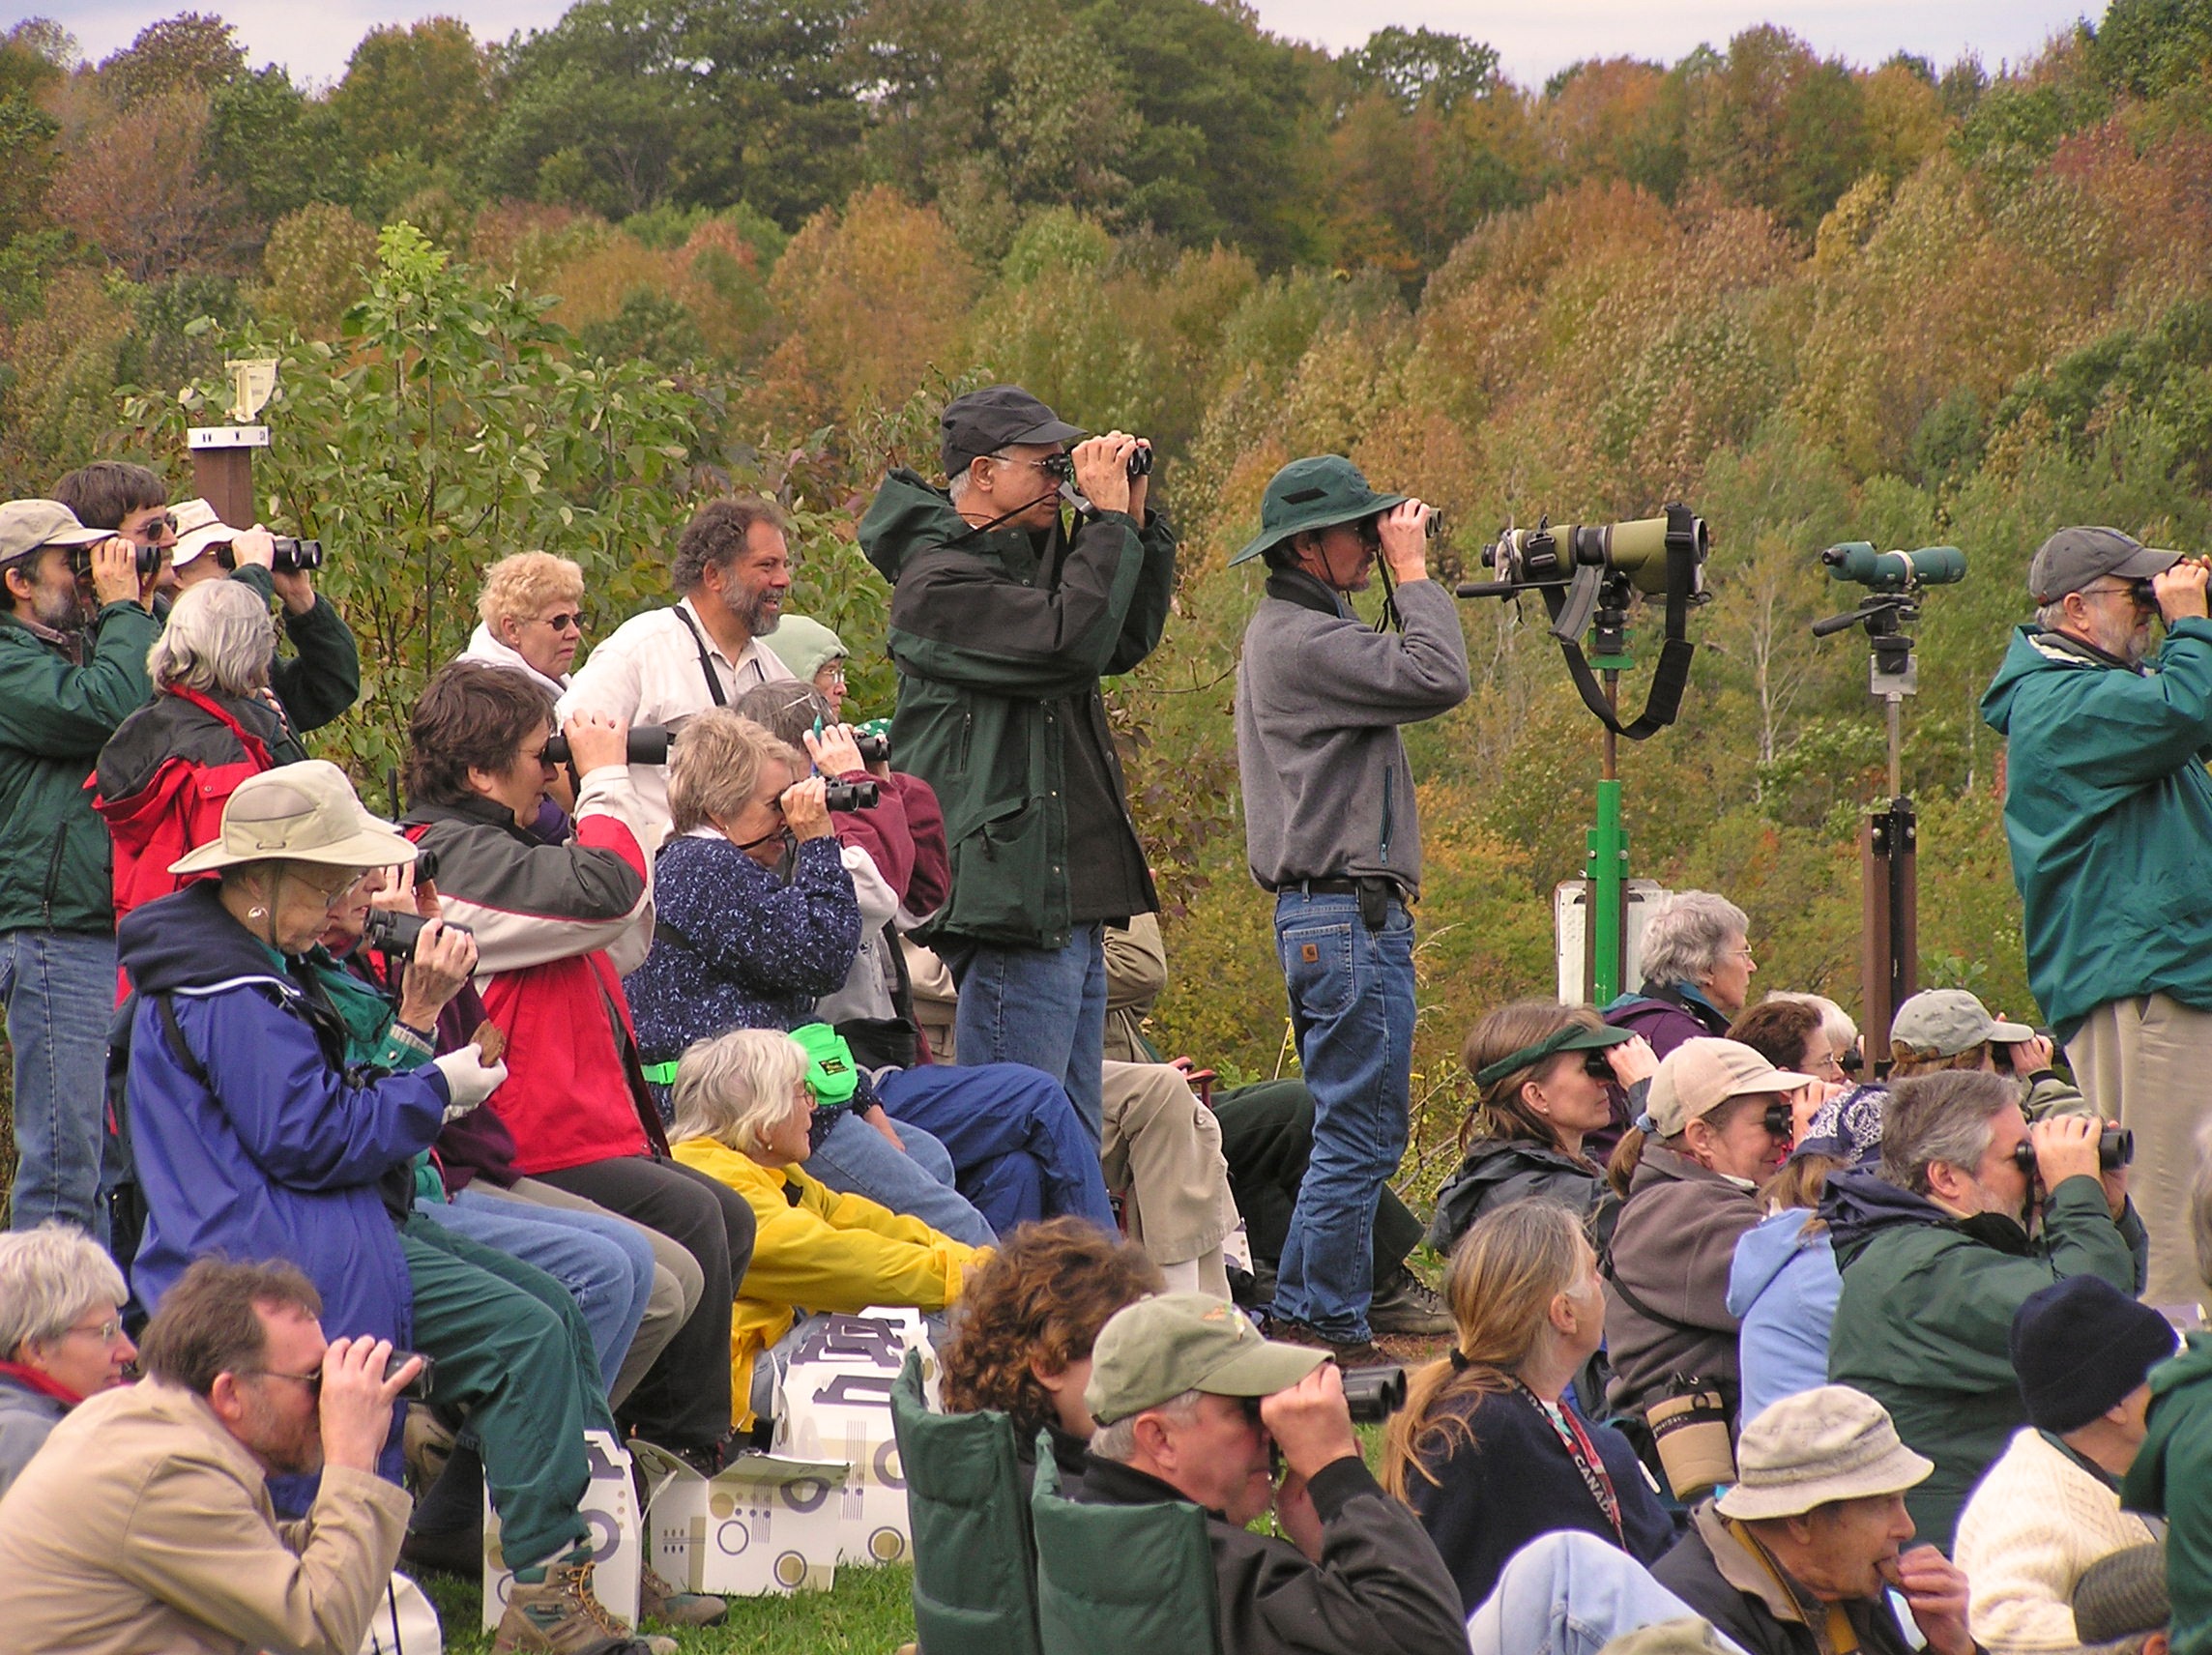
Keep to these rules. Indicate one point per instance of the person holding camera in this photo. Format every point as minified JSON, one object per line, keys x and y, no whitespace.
{"x":1938,"y":1255}
{"x":1191,"y":1404}
{"x":1331,"y":828}
{"x":2107,"y":811}
{"x":1002,"y":624}
{"x":77,"y":621}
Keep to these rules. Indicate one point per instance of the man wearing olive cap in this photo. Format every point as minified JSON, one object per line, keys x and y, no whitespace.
{"x":1330,"y":829}
{"x":1002,"y":624}
{"x":2108,"y":814}
{"x":1191,"y":1404}
{"x":76,"y":625}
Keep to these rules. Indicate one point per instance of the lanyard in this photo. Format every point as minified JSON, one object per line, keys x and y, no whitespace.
{"x":1584,"y":1453}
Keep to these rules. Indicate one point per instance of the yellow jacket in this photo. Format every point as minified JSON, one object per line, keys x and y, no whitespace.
{"x":823,"y":1251}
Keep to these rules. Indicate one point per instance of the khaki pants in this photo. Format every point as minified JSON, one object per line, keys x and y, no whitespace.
{"x":2147,"y":1064}
{"x":1163,"y":1147}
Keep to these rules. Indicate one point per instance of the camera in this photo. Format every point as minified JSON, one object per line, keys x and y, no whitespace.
{"x":388,"y":931}
{"x":875,"y":746}
{"x":2115,"y":1147}
{"x":1373,"y":1395}
{"x":1857,"y":562}
{"x":418,"y":1388}
{"x":849,"y":795}
{"x":648,"y":745}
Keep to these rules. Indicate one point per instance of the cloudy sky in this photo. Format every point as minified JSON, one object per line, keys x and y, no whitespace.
{"x":313,"y":40}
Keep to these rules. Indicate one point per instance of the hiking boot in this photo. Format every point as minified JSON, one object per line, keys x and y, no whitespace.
{"x":560,"y":1616}
{"x":658,"y":1599}
{"x":1349,"y":1353}
{"x":1403,"y":1303}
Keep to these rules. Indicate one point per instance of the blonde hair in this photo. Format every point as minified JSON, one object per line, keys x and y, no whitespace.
{"x":714,"y":766}
{"x":733,"y":1086}
{"x":1906,"y":1060}
{"x":523,"y":584}
{"x":1505,"y":1273}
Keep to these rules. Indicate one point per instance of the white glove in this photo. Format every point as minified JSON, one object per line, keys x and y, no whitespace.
{"x":468,"y":1079}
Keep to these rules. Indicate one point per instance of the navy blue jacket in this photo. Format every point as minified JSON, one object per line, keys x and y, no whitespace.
{"x":282,"y":1156}
{"x":1515,"y":1481}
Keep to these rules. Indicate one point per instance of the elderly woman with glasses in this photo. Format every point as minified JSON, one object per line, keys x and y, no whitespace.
{"x":61,"y":1334}
{"x":1698,"y":969}
{"x":169,"y":768}
{"x":533,"y":609}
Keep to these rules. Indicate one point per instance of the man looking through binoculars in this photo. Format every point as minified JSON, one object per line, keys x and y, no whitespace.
{"x":2108,"y":814}
{"x":1329,"y":828}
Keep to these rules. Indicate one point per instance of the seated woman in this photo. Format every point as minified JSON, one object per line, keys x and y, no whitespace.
{"x":1489,"y":1448}
{"x":756,"y":918}
{"x":556,"y":925}
{"x":1543,"y":1072}
{"x":61,"y":1333}
{"x":1697,"y":972}
{"x":744,"y":1108}
{"x":1784,"y":1283}
{"x":1716,"y":1123}
{"x":1022,"y":1332}
{"x":165,"y":773}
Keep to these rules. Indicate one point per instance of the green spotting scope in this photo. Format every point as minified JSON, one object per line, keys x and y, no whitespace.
{"x":1550,"y":554}
{"x":1895,"y":571}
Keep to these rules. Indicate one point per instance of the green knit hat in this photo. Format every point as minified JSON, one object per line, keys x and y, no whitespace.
{"x":1313,"y":493}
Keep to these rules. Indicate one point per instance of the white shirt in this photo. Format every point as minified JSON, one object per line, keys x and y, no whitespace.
{"x":483,"y":647}
{"x":646,"y":672}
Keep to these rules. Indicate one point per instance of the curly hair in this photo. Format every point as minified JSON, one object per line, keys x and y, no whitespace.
{"x":716,"y":534}
{"x":1042,"y":1298}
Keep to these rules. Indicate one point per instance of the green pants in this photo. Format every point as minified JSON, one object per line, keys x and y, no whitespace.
{"x":1266,"y":1133}
{"x":515,"y":1358}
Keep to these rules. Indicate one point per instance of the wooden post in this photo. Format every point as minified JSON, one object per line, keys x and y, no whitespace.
{"x":222,"y":469}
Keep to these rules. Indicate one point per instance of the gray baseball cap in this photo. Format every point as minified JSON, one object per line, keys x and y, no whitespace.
{"x":1170,"y":1343}
{"x":2071,"y":558}
{"x":28,"y":526}
{"x":1947,"y":1021}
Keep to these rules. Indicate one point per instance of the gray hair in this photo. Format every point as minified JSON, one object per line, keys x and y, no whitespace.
{"x":219,"y":640}
{"x":1943,"y":1116}
{"x":730,"y":1087}
{"x":48,"y":1277}
{"x":1118,"y":1441}
{"x":1689,"y":934}
{"x":1836,"y":1025}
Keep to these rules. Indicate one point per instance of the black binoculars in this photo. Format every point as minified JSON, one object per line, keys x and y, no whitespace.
{"x":2115,"y":1147}
{"x":1374,"y":1394}
{"x":149,"y":559}
{"x":648,"y":745}
{"x":1061,"y":466}
{"x":874,"y":745}
{"x":849,"y":795}
{"x":288,"y":555}
{"x":418,"y":1388}
{"x":388,"y":931}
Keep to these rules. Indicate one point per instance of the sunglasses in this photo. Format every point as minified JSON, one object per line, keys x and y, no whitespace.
{"x":571,"y":621}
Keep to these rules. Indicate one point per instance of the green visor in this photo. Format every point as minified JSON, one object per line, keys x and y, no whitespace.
{"x":1574,"y":1037}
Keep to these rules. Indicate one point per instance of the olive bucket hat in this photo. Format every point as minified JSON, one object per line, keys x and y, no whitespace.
{"x":1313,"y":493}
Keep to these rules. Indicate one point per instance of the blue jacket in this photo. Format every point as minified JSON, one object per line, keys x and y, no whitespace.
{"x":282,"y":1155}
{"x":1783,"y":1288}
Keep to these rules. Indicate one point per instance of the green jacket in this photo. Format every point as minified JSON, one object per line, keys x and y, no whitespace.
{"x":1926,"y":1306}
{"x":2107,"y":792}
{"x":54,"y":718}
{"x":999,"y":652}
{"x":322,"y":677}
{"x":2173,"y":1478}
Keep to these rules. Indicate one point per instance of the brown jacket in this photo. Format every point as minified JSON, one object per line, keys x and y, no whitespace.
{"x":144,"y":1526}
{"x":1672,"y":1252}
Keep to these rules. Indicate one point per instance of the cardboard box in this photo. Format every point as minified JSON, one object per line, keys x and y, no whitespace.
{"x":836,"y":1405}
{"x":617,"y":1537}
{"x":762,"y":1524}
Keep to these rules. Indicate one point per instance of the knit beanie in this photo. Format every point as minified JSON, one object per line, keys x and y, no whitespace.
{"x":2080,"y":1346}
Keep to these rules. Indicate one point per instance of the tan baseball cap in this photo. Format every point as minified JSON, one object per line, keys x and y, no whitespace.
{"x":1161,"y":1347}
{"x":198,"y":529}
{"x":1699,"y":1076}
{"x":28,"y":526}
{"x":1947,"y":1021}
{"x":306,"y":812}
{"x":1828,"y":1443}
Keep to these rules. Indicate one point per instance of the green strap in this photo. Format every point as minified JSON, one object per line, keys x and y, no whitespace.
{"x":661,"y":1074}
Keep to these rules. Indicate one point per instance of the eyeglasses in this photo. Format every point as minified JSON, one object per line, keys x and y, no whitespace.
{"x":572,"y":622}
{"x":313,"y":1381}
{"x":1058,"y":467}
{"x":105,"y":1332}
{"x":2140,"y":593}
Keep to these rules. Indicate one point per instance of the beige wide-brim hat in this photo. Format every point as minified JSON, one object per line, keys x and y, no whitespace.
{"x":1828,"y":1443}
{"x":306,"y":812}
{"x":197,"y":529}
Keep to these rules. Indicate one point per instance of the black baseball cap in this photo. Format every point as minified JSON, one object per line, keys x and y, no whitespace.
{"x":2071,"y":558}
{"x":984,"y":421}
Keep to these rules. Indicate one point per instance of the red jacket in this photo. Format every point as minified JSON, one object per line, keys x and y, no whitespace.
{"x":556,"y":927}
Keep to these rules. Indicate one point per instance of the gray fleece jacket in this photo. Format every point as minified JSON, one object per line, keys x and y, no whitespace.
{"x":1320,"y":696}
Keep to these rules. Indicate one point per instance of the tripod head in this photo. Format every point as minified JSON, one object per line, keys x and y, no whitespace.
{"x":1885,"y":615}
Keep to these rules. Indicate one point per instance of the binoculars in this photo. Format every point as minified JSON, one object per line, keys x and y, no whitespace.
{"x":648,"y":745}
{"x":1374,"y":1394}
{"x":875,"y":746}
{"x":418,"y":1388}
{"x":1061,"y":467}
{"x":2115,"y":1147}
{"x":149,"y":559}
{"x":849,"y":795}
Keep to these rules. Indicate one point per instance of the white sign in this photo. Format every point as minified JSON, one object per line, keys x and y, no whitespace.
{"x":836,"y":1405}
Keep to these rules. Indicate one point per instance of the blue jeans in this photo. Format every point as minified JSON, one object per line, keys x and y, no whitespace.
{"x":1352,"y":1007}
{"x":1571,"y":1593}
{"x":59,"y":990}
{"x":606,"y":1265}
{"x":1041,"y":1006}
{"x":855,"y":1159}
{"x":1022,"y":1155}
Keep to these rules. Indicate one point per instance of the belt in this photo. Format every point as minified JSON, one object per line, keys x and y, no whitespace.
{"x":1342,"y":886}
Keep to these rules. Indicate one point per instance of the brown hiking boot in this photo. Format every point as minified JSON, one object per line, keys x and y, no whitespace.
{"x":1349,"y":1354}
{"x":560,"y":1616}
{"x":658,"y":1599}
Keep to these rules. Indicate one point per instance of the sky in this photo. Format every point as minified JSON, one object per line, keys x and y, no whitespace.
{"x":313,"y":40}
